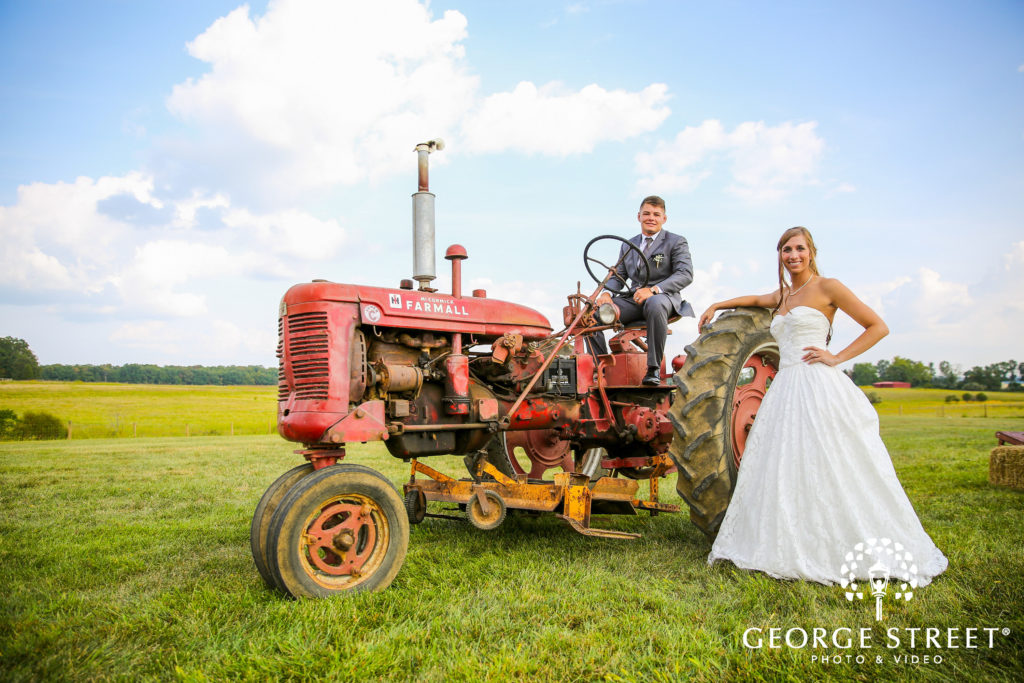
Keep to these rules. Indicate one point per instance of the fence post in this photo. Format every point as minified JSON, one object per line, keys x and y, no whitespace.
{"x":232,"y":429}
{"x":135,"y":429}
{"x":187,"y":430}
{"x":69,"y":429}
{"x":901,"y":409}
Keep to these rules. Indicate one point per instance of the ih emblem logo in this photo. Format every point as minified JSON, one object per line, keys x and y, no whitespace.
{"x":394,"y":300}
{"x":889,"y":561}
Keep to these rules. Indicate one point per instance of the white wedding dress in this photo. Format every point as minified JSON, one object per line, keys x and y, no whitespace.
{"x":815,"y":479}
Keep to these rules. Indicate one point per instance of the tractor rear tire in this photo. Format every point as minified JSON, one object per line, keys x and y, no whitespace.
{"x":343,"y":528}
{"x":497,"y":455}
{"x":702,"y":412}
{"x":589,"y":463}
{"x":265,"y":509}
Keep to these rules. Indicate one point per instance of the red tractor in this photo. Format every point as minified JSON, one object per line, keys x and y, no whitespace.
{"x":431,"y":373}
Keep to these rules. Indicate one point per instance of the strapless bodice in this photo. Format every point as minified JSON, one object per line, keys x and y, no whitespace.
{"x":801,"y":326}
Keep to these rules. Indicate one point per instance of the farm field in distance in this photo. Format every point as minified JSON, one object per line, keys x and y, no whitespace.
{"x":102,"y":410}
{"x":129,"y":558}
{"x":927,"y":402}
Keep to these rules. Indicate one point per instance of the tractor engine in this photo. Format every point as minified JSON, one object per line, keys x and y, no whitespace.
{"x":365,"y":363}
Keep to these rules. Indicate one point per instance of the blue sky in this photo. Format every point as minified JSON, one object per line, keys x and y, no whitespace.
{"x":167,"y":170}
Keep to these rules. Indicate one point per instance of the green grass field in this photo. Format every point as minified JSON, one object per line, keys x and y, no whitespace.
{"x":932,"y":403}
{"x":129,"y":559}
{"x":102,"y":410}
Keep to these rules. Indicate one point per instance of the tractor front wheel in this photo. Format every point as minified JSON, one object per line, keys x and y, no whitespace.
{"x":341,"y":528}
{"x":728,"y":370}
{"x":265,"y":509}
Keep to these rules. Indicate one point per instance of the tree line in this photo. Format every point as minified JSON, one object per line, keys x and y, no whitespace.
{"x":17,"y":361}
{"x":948,"y":376}
{"x":134,"y":373}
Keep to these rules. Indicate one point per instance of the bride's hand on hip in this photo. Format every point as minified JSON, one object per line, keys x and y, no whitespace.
{"x":816,"y":355}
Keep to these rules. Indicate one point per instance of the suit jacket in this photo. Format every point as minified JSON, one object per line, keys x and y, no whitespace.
{"x":671,"y":268}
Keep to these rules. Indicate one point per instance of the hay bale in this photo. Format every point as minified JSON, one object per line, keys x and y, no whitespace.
{"x":1006,"y":467}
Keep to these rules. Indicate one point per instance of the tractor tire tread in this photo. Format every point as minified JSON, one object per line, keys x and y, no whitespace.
{"x":695,"y":401}
{"x":714,"y":358}
{"x":702,"y":448}
{"x":687,"y":452}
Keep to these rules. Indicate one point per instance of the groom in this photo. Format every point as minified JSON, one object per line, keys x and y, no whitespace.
{"x":670,"y":271}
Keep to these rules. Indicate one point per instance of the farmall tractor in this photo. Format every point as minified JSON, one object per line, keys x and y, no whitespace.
{"x":432,"y":374}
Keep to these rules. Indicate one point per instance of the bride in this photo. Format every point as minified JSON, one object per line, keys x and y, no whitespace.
{"x":816,"y":479}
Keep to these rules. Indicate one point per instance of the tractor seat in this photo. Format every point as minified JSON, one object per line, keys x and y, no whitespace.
{"x":642,"y":324}
{"x":628,"y":338}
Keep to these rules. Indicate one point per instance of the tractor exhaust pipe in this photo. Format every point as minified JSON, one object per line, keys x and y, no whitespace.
{"x":423,"y":219}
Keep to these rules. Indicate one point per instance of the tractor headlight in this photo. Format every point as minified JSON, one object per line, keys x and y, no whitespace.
{"x":607,"y":314}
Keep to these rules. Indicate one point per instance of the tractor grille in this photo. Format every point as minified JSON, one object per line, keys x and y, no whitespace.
{"x":307,"y":346}
{"x":282,"y":382}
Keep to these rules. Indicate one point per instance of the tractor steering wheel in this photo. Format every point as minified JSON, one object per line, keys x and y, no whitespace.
{"x":645,"y":266}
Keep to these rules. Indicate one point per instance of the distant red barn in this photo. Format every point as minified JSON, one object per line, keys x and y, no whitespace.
{"x":891,"y":385}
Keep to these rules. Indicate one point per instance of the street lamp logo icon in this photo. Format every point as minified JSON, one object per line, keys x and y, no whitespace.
{"x":890,"y":563}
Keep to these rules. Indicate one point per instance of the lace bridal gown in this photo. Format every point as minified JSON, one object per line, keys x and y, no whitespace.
{"x":816,"y":478}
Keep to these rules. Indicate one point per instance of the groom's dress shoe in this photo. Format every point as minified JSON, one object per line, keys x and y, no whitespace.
{"x":652,"y":378}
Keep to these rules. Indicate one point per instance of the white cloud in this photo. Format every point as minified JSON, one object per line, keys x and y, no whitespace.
{"x":83,"y":238}
{"x":342,"y":89}
{"x":551,"y":120}
{"x":288,"y":234}
{"x":932,"y":317}
{"x":185,"y":210}
{"x":545,"y":297}
{"x":338,"y":92}
{"x":149,"y":284}
{"x":672,"y":165}
{"x":874,"y":294}
{"x":1014,"y":258}
{"x":770,"y":162}
{"x":57,"y":236}
{"x":767,"y":162}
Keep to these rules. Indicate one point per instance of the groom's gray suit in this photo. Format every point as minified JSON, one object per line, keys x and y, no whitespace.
{"x":670,"y":271}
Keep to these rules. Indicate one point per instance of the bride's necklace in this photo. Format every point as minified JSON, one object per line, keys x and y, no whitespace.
{"x":793,"y":292}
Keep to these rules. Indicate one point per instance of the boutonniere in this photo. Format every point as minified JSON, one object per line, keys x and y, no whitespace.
{"x":658,"y":259}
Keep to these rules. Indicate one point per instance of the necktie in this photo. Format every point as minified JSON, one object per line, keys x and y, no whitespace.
{"x":647,"y":247}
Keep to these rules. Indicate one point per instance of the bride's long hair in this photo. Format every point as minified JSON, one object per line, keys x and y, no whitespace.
{"x":785,"y":287}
